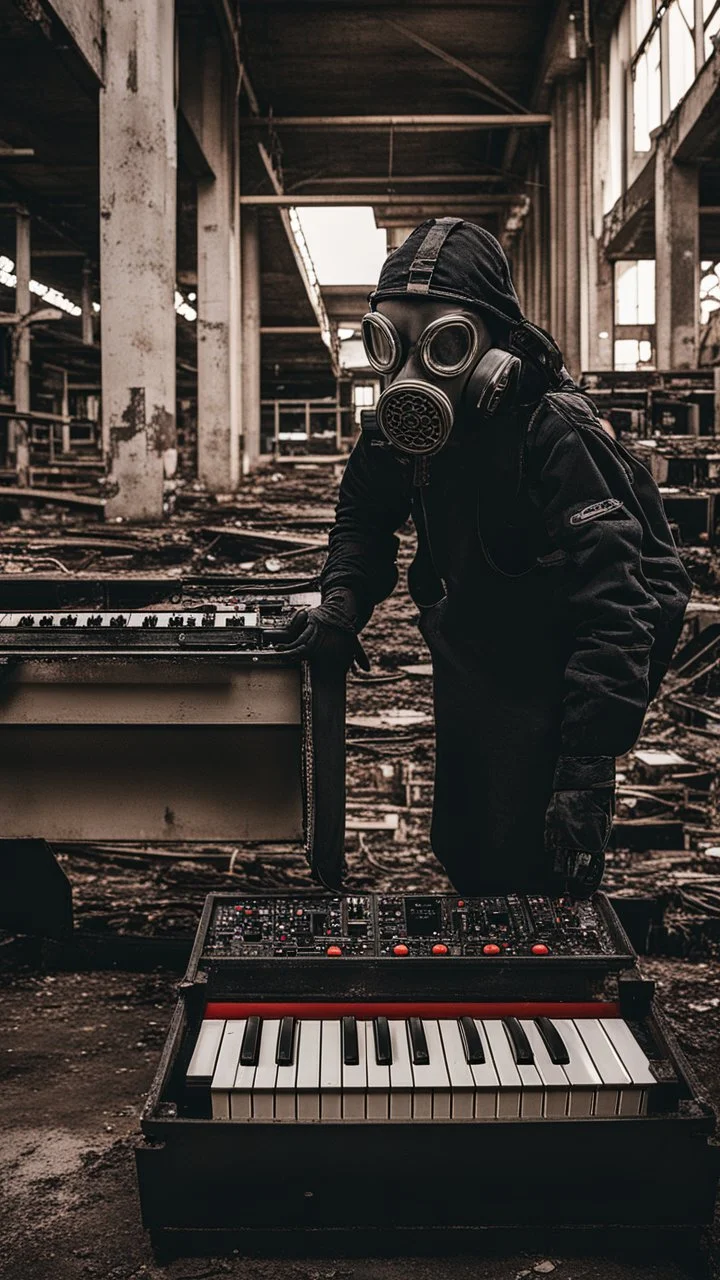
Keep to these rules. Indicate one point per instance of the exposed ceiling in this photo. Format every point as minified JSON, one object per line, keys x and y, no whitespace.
{"x":337,"y":58}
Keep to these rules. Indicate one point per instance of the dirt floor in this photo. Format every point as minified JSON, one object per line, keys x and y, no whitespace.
{"x":78,"y":1049}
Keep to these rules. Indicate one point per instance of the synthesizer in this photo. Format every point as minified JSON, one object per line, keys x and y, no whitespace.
{"x":257,"y":624}
{"x":214,"y":731}
{"x":412,"y":1057}
{"x":360,"y":1042}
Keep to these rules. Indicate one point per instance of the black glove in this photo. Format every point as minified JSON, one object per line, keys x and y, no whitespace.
{"x":579,"y":820}
{"x":328,"y":633}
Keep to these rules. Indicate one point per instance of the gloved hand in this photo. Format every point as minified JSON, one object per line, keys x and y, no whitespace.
{"x":327,"y":634}
{"x":578,"y":822}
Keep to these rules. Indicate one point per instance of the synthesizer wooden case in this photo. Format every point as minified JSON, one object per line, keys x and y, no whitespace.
{"x":385,"y":1070}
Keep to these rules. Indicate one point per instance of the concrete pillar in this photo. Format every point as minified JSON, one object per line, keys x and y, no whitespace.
{"x":251,"y":321}
{"x":570,"y":245}
{"x":558,"y":192}
{"x":584,"y":213}
{"x":65,"y":411}
{"x":138,"y":196}
{"x":86,"y":307}
{"x":677,"y":262}
{"x":542,"y":237}
{"x":218,"y":289}
{"x":19,"y":436}
{"x":397,"y":236}
{"x":600,"y":270}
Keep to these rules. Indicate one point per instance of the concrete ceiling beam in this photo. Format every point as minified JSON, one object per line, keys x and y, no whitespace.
{"x":416,"y":124}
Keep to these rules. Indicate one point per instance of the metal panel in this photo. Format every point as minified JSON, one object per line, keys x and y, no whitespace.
{"x":131,"y":692}
{"x":165,"y":784}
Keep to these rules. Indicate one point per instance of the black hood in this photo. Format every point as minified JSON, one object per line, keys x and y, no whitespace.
{"x":470,"y":268}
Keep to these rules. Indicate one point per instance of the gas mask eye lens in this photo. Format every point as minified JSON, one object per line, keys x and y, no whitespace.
{"x":382,"y":345}
{"x":448,"y":346}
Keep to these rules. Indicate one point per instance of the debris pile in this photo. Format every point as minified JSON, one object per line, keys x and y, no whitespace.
{"x":666,"y":850}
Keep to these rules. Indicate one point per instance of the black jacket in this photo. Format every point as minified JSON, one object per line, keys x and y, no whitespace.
{"x":531,"y":532}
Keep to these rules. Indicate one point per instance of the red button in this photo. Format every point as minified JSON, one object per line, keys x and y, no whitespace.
{"x":540,"y":949}
{"x":439,"y":949}
{"x":461,"y":902}
{"x":400,"y":949}
{"x":491,"y":949}
{"x":334,"y":951}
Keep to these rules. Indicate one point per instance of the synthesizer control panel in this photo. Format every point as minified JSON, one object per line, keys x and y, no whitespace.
{"x":251,"y":623}
{"x":407,"y":926}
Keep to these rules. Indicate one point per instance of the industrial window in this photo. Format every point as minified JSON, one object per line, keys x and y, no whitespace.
{"x":647,"y":97}
{"x":635,"y":291}
{"x":709,"y":290}
{"x":681,"y":45}
{"x":364,"y":395}
{"x":643,"y":14}
{"x":711,"y":23}
{"x":631,"y":353}
{"x":667,"y":58}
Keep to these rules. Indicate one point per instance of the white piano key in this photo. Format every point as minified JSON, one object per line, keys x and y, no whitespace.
{"x":462,"y":1085}
{"x":610,"y":1068}
{"x":355,"y":1079}
{"x":207,"y":1046}
{"x":285,"y":1093}
{"x":431,"y":1093}
{"x":487,"y":1084}
{"x":635,"y":1062}
{"x":531,"y":1091}
{"x":580,"y":1070}
{"x":241,"y":1107}
{"x":378,"y":1079}
{"x":307,"y":1081}
{"x":633,"y":1058}
{"x":330,"y":1071}
{"x":508,"y":1077}
{"x":401,"y":1080}
{"x":552,"y":1076}
{"x":263,"y":1087}
{"x":227,"y":1061}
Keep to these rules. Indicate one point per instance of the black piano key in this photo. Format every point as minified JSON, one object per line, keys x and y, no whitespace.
{"x":285,"y":1042}
{"x":250,"y":1047}
{"x":418,"y":1043}
{"x":553,"y":1042}
{"x":521,"y":1046}
{"x":383,"y":1049}
{"x":472,"y":1043}
{"x":350,"y":1049}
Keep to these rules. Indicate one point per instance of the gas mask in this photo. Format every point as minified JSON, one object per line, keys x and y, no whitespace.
{"x":450,"y":366}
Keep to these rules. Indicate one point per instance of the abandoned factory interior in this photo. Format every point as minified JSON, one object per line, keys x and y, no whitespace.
{"x":359,"y":639}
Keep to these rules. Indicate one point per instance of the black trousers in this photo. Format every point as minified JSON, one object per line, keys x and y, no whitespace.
{"x":497,"y":724}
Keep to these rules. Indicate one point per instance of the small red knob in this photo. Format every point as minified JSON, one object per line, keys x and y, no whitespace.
{"x":439,"y":949}
{"x":334,"y":951}
{"x":539,"y":949}
{"x":491,"y":949}
{"x":400,"y":949}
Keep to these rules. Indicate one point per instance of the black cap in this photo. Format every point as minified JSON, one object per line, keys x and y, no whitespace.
{"x":455,"y":260}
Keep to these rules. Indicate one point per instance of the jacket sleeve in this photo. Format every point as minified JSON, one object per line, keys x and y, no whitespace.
{"x":585,"y":491}
{"x":374,"y":502}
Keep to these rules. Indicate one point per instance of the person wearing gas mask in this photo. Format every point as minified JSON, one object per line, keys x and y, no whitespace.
{"x":548,"y":585}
